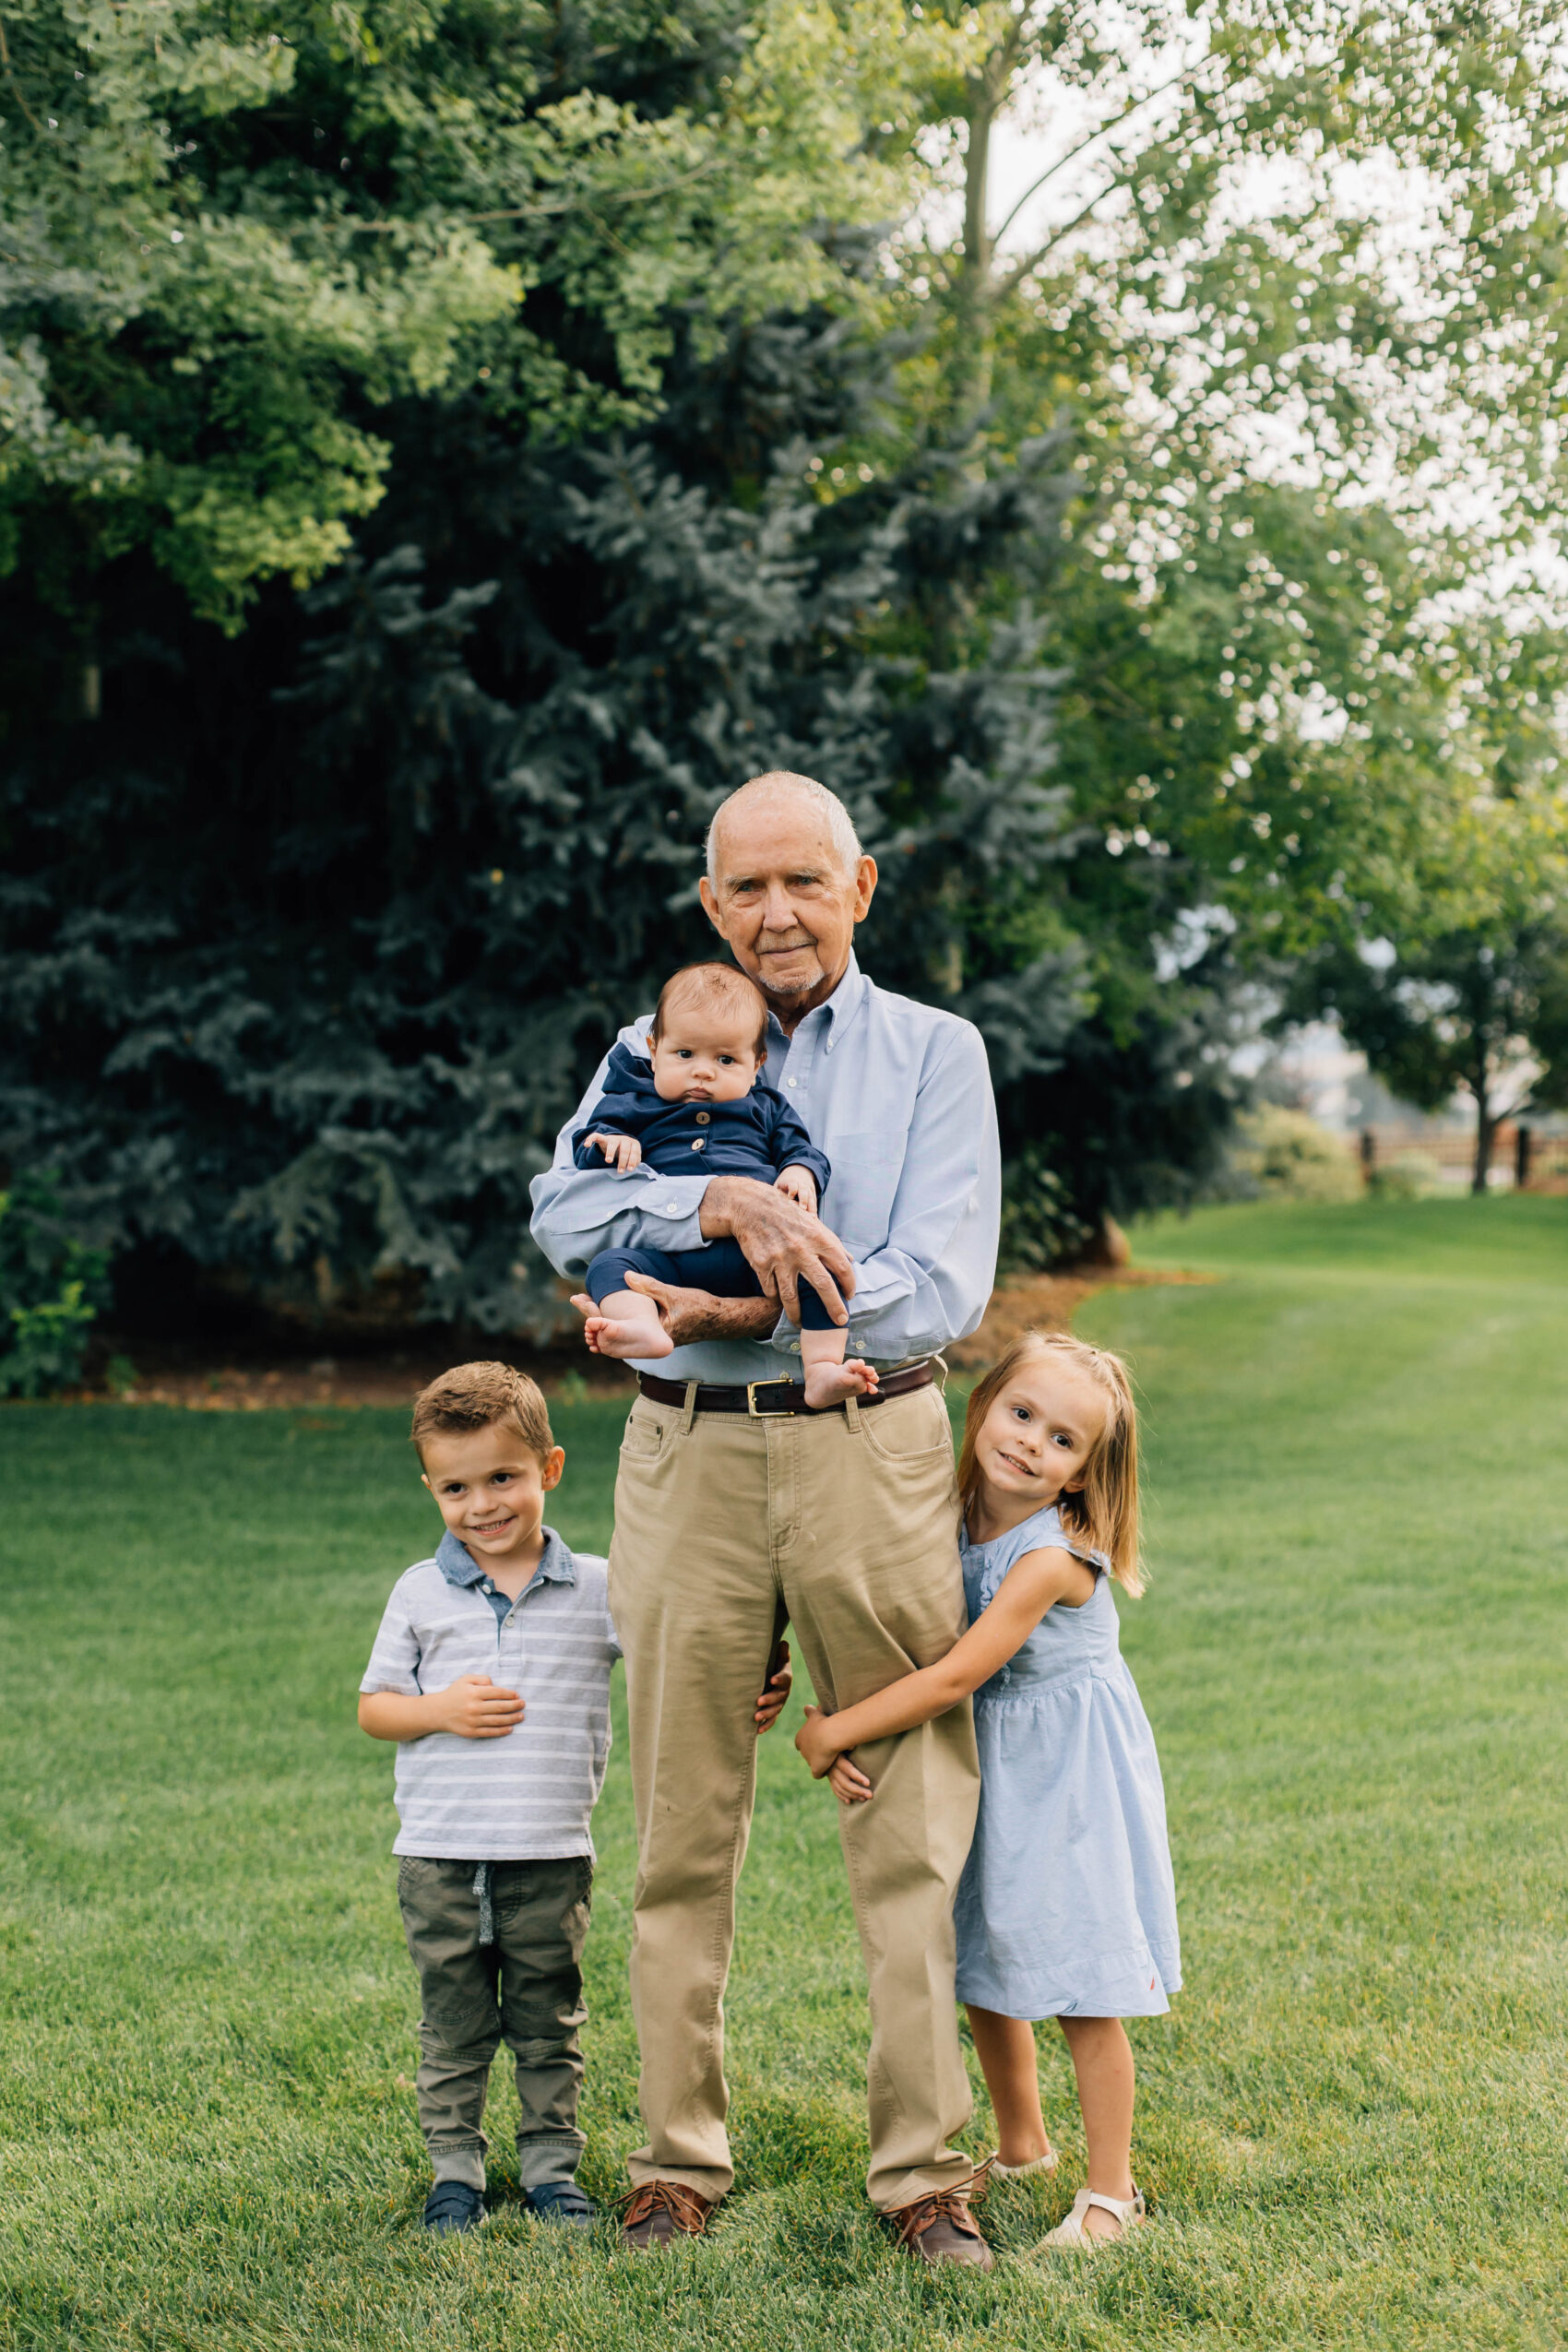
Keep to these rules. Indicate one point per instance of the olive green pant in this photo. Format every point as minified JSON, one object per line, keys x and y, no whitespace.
{"x":524,"y":1988}
{"x":845,"y":1525}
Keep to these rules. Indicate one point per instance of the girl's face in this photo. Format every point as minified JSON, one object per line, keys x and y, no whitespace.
{"x":1035,"y":1442}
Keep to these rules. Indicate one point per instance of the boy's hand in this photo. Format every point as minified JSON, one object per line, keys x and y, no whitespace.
{"x":848,"y":1782}
{"x":815,"y":1742}
{"x":799,"y":1184}
{"x":475,"y":1708}
{"x":623,"y":1152}
{"x":775,"y":1698}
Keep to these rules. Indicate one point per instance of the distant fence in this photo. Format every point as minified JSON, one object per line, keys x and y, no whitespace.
{"x":1523,"y":1158}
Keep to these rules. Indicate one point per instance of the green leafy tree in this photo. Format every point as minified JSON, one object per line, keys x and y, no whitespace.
{"x":1312,"y":443}
{"x":231,"y":239}
{"x":1469,"y":993}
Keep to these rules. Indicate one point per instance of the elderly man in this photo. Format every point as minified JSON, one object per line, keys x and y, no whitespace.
{"x":737,"y":1511}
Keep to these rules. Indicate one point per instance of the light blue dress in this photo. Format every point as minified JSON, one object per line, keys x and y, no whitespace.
{"x":1066,"y":1906}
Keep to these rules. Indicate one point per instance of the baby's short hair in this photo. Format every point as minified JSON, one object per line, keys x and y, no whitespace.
{"x":472,"y":1396}
{"x":720,"y":986}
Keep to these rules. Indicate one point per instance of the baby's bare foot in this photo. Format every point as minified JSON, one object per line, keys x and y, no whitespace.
{"x":831,"y":1383}
{"x":609,"y":1336}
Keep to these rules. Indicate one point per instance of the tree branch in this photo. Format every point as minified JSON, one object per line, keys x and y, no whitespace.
{"x":1188,"y":72}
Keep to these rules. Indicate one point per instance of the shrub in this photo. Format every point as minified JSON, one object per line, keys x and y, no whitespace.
{"x":1283,"y":1155}
{"x":51,"y":1290}
{"x":1408,"y":1176}
{"x":1038,"y":1226}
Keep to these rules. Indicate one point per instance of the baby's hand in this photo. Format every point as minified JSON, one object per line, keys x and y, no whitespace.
{"x":816,"y":1742}
{"x":623,"y":1152}
{"x":775,"y":1698}
{"x":849,"y":1783}
{"x":799,"y":1185}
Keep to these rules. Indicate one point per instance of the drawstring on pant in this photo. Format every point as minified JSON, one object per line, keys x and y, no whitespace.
{"x":484,"y":1888}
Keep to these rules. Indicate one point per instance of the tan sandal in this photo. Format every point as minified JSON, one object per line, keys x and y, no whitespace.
{"x":1071,"y":2235}
{"x":1000,"y":2172}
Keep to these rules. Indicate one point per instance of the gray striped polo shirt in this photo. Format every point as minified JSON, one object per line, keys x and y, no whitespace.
{"x":526,"y":1796}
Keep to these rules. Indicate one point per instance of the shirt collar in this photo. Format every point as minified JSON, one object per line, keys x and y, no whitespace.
{"x":837,"y":1010}
{"x":459,"y":1565}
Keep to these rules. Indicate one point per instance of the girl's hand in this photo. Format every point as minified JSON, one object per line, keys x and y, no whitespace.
{"x":816,"y":1743}
{"x":848,"y":1782}
{"x":798,"y":1184}
{"x":623,"y":1152}
{"x":775,"y":1698}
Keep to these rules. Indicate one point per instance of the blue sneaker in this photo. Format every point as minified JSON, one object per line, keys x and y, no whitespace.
{"x":562,"y":2201}
{"x":452,"y":2204}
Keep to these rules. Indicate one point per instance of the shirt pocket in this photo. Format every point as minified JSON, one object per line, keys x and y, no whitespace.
{"x":858,"y":1201}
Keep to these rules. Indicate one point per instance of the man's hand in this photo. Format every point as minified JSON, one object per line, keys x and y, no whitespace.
{"x":623,"y":1152}
{"x":783,"y":1242}
{"x":688,"y":1315}
{"x":797,"y":1184}
{"x":776,"y":1697}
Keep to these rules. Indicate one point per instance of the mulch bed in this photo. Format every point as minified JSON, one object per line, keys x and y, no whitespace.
{"x":255,"y":1382}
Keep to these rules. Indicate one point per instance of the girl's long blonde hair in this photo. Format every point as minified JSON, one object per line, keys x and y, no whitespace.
{"x":1104,"y":1512}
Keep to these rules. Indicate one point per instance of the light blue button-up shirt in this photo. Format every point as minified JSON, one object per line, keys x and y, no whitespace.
{"x":899,"y":1096}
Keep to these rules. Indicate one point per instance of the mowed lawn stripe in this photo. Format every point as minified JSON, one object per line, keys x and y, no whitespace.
{"x":1353,"y":1654}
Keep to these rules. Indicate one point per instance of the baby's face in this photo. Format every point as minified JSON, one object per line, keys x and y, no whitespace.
{"x":704,"y":1056}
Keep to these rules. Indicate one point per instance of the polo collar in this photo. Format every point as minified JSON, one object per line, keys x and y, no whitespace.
{"x":459,"y":1565}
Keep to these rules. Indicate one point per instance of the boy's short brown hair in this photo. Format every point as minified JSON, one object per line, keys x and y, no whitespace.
{"x":472,"y":1396}
{"x":717,"y":984}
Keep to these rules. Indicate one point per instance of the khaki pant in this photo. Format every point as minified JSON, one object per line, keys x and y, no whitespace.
{"x":845,"y":1525}
{"x":525,"y":1989}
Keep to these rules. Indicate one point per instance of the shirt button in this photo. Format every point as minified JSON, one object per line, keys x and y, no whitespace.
{"x":701,"y":1144}
{"x":791,"y":1082}
{"x":703,"y":1118}
{"x":671,"y":1208}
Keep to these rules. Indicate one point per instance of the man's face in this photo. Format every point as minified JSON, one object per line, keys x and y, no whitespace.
{"x":783,"y":900}
{"x":490,"y":1488}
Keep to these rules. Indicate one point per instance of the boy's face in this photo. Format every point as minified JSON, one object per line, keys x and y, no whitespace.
{"x":704,"y":1054}
{"x":489,"y":1486}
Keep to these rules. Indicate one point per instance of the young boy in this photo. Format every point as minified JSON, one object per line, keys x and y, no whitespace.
{"x":690,"y":1107}
{"x":491,"y":1673}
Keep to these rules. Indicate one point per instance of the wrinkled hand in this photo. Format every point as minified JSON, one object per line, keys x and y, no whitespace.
{"x":783,"y":1242}
{"x":848,"y":1782}
{"x":623,"y":1152}
{"x":688,"y":1315}
{"x":775,"y":1698}
{"x":797,"y":1184}
{"x":475,"y":1708}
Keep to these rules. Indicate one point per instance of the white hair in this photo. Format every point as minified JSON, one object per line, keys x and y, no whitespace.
{"x":841,"y":827}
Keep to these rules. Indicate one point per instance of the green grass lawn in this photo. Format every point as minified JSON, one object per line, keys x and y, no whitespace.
{"x":1352,"y":1650}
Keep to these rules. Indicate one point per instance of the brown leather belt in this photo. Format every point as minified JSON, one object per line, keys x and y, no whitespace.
{"x":764,"y":1398}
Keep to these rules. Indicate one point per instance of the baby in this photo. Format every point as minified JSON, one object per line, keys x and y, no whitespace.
{"x":692,"y":1106}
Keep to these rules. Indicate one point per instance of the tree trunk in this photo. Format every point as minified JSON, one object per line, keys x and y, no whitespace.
{"x":972,"y":358}
{"x":1486,"y":1129}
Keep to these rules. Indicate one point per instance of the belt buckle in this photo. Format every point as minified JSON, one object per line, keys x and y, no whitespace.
{"x":781,"y":1380}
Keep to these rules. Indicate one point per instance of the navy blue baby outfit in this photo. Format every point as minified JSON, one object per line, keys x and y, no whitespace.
{"x":758,"y":1136}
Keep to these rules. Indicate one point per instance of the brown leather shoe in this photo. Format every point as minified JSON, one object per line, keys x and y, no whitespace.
{"x":939,"y":2229}
{"x":662,"y":2209}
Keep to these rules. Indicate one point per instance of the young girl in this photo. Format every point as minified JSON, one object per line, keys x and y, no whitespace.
{"x":1066,"y":1908}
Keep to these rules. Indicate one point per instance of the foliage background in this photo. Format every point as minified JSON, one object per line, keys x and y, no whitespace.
{"x":445,"y":447}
